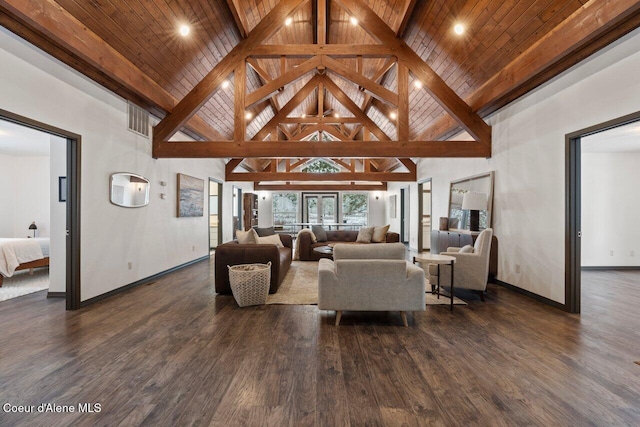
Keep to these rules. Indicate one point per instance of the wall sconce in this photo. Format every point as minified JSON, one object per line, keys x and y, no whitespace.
{"x":33,"y":227}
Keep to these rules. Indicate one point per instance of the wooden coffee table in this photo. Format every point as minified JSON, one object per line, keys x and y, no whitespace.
{"x":438,"y":260}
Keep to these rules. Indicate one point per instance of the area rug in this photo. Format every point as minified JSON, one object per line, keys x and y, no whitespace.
{"x":300,"y":287}
{"x":21,"y":283}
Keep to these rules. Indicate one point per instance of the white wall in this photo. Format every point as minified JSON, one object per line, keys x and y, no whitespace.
{"x":529,"y":160}
{"x":152,"y":238}
{"x":24,"y":190}
{"x":393,"y":188}
{"x":58,"y":215}
{"x":610,"y":209}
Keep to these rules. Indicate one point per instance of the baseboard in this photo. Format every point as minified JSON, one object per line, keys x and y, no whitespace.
{"x":140,"y":282}
{"x":56,"y":294}
{"x":603,"y":268}
{"x":530,"y":294}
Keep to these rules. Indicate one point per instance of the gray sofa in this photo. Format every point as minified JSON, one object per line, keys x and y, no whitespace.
{"x":370,"y":278}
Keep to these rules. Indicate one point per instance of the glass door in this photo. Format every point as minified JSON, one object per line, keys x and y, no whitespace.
{"x":320,"y":208}
{"x":215,"y":206}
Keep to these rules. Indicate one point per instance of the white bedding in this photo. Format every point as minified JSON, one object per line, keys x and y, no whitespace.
{"x":14,"y":252}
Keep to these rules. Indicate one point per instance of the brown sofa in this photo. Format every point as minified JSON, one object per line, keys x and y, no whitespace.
{"x":333,"y":236}
{"x":233,"y":253}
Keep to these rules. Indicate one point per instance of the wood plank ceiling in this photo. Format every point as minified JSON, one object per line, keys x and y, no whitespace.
{"x":133,"y":47}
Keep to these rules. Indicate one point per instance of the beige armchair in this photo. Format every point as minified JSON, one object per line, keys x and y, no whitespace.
{"x":471,"y":269}
{"x":370,"y":278}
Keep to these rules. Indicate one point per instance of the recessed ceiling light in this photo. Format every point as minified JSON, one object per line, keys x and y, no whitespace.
{"x":336,"y":115}
{"x":248,"y":115}
{"x":393,"y":115}
{"x":225,"y":84}
{"x":353,"y":20}
{"x":288,"y":21}
{"x":184,"y":30}
{"x":417,"y":84}
{"x":458,"y":29}
{"x":304,"y":116}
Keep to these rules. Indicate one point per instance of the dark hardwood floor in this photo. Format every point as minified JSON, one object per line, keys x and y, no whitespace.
{"x":173,"y":353}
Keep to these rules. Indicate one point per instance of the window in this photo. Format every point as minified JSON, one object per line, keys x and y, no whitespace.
{"x":285,"y":208}
{"x":355,"y":208}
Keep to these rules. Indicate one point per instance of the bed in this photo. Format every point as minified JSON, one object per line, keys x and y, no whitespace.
{"x":22,"y":254}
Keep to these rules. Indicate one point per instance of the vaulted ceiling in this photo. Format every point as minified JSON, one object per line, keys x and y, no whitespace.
{"x":367,"y":84}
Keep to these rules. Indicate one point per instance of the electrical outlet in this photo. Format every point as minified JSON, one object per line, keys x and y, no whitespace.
{"x":130,"y":265}
{"x":611,"y":252}
{"x":518,"y":268}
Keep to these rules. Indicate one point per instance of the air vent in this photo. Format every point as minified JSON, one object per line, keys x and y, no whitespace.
{"x":138,"y":120}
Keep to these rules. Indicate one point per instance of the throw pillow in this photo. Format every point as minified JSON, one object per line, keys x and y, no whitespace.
{"x":320,"y":233}
{"x":380,"y":234}
{"x":249,"y":237}
{"x":364,"y":235}
{"x":274,"y":239}
{"x":265,"y":231}
{"x":466,"y":249}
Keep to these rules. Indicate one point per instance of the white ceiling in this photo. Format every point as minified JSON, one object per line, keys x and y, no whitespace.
{"x":623,"y":139}
{"x":21,"y":141}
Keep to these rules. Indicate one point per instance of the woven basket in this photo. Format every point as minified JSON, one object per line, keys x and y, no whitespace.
{"x":250,"y":283}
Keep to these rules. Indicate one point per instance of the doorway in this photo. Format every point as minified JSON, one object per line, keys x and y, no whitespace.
{"x":575,"y":144}
{"x":69,"y":187}
{"x":424,"y":216}
{"x":405,"y":210}
{"x":215,"y":216}
{"x":320,"y":208}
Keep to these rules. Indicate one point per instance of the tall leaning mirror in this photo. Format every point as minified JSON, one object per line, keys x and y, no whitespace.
{"x":129,"y":190}
{"x":471,"y":202}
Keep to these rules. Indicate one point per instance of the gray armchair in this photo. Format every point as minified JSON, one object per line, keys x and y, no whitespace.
{"x":471,"y":269}
{"x":370,"y":278}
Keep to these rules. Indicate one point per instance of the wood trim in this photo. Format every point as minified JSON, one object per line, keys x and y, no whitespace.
{"x":307,"y":50}
{"x":56,"y":294}
{"x":610,"y":267}
{"x":320,"y":187}
{"x":337,"y":176}
{"x":300,"y":149}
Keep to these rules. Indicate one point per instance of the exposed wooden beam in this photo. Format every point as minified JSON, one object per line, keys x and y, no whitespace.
{"x":311,"y":176}
{"x":433,"y":83}
{"x":264,"y":78}
{"x":308,"y":50}
{"x":201,"y":93}
{"x":408,"y":11}
{"x":321,"y":24}
{"x":231,"y":165}
{"x":287,"y":78}
{"x":49,"y":26}
{"x":323,"y":187}
{"x":288,"y":108}
{"x":380,"y":92}
{"x":347,"y":166}
{"x":377,"y":77}
{"x":402,"y":118}
{"x":240,"y":85}
{"x":344,"y":99}
{"x":299,"y":149}
{"x":590,"y":28}
{"x":298,"y":163}
{"x":239,"y":17}
{"x":409,"y":164}
{"x":309,"y":130}
{"x":320,"y":119}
